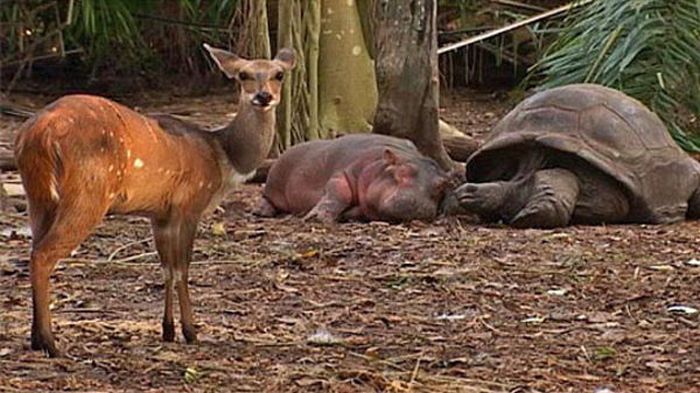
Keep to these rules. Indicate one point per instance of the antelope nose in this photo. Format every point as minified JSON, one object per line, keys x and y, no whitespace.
{"x":262,"y":98}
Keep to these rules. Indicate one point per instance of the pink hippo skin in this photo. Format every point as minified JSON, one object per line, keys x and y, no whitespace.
{"x":355,"y":177}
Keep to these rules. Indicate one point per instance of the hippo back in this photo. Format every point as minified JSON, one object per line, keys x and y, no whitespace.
{"x":609,"y":130}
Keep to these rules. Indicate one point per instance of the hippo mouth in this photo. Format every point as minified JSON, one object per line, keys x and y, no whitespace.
{"x":449,"y":204}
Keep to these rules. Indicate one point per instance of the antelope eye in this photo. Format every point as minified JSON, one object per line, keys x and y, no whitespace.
{"x":279,"y":76}
{"x":243,"y":76}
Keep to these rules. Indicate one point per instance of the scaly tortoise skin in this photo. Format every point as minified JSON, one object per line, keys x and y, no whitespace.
{"x":581,"y":154}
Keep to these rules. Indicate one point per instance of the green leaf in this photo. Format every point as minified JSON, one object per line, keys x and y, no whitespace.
{"x":646,"y":48}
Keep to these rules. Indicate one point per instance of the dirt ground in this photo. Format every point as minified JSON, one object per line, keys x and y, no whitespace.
{"x":288,"y":306}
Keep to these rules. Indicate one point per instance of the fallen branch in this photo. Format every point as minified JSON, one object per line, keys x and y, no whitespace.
{"x":512,"y":26}
{"x":459,"y":148}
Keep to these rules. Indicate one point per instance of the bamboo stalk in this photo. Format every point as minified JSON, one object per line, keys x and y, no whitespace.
{"x":284,"y":39}
{"x":313,"y":29}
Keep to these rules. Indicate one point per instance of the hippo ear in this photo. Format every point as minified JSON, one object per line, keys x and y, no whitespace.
{"x":390,"y":157}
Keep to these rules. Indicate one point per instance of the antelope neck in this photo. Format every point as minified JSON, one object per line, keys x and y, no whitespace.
{"x":247,"y":140}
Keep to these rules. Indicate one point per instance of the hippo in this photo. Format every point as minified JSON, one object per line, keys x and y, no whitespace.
{"x":359,"y":177}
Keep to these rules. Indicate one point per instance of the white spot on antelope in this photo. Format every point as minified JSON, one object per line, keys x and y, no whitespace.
{"x":201,"y":184}
{"x":111,"y":168}
{"x":138,"y":163}
{"x":128,"y":153}
{"x":53,"y":189}
{"x":356,"y":50}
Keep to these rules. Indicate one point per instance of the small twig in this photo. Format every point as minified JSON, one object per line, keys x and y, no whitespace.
{"x":415,"y":373}
{"x":586,"y":355}
{"x":521,"y":5}
{"x":491,"y":328}
{"x":122,"y":261}
{"x":125,"y":246}
{"x":85,"y":310}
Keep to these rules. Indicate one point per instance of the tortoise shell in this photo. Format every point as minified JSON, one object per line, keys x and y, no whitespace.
{"x":605,"y":128}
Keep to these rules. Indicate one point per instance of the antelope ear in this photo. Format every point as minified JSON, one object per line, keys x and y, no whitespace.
{"x":227,"y":62}
{"x":286,"y":58}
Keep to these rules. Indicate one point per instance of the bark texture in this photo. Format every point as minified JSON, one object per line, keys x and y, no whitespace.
{"x":347,"y":88}
{"x":405,"y":39}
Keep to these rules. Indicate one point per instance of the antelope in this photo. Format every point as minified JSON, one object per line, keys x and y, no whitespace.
{"x":83,"y":157}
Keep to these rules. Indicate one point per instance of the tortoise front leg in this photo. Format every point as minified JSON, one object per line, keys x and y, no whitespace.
{"x":694,"y":205}
{"x":492,"y":201}
{"x":552,"y":200}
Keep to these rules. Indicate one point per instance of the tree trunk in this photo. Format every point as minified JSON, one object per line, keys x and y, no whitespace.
{"x":405,"y":39}
{"x":299,"y":26}
{"x":347,"y":89}
{"x":253,"y":40}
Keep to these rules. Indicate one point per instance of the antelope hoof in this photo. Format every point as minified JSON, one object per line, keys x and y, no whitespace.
{"x":190,"y":335}
{"x":46,"y":343}
{"x":168,"y":332}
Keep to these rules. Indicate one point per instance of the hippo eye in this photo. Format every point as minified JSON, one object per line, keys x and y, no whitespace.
{"x":279,"y":76}
{"x":243,"y":76}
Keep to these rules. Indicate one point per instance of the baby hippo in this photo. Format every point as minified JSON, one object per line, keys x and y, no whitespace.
{"x":364,"y":177}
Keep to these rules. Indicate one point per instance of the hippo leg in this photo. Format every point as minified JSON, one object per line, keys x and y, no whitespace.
{"x":552,"y":201}
{"x":265,"y":208}
{"x":353,"y":214}
{"x":336,"y":200}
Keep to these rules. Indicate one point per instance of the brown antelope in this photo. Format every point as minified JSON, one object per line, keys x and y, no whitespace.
{"x":83,"y":157}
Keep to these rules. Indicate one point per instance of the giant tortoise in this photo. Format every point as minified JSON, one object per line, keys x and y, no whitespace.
{"x":581,"y":153}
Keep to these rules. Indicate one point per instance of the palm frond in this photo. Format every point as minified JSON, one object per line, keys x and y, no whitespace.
{"x":647,"y":48}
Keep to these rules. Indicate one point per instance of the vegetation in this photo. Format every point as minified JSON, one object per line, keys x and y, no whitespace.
{"x":646,"y":48}
{"x":129,"y":34}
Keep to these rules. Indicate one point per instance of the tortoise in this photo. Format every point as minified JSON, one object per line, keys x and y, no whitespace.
{"x":580,"y":154}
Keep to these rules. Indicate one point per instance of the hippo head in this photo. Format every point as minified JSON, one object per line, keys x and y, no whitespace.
{"x":409,"y":188}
